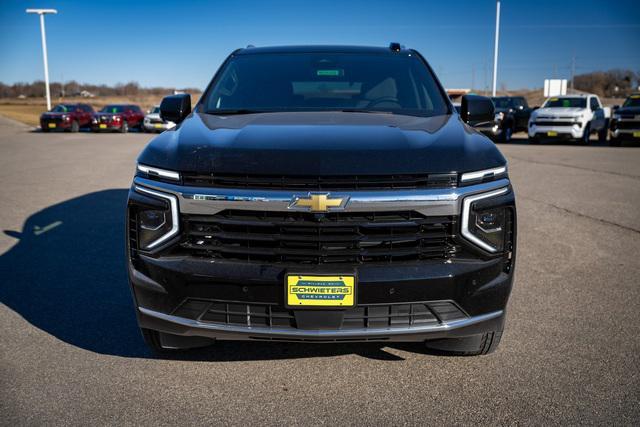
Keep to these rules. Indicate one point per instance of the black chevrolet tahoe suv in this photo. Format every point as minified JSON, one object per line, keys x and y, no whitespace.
{"x":322,"y":194}
{"x":512,"y":115}
{"x":625,"y":122}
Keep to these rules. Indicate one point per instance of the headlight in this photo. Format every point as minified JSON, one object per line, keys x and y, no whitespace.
{"x":94,"y":120}
{"x":499,"y":116}
{"x":150,"y":171}
{"x":486,"y":227}
{"x":65,"y":117}
{"x":156,"y":226}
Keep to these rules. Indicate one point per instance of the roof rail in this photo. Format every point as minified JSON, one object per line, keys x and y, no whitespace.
{"x":395,"y":47}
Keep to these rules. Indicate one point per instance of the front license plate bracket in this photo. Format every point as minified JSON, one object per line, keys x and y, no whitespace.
{"x":320,"y":291}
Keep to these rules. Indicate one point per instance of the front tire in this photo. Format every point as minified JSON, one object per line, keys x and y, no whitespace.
{"x":475,"y":345}
{"x":125,"y":127}
{"x":534,"y":140}
{"x":152,"y":340}
{"x":615,"y":142}
{"x":172,"y":343}
{"x":586,"y":135}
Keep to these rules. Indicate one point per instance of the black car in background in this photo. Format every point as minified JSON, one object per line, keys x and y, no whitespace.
{"x":322,"y":194}
{"x":511,"y":115}
{"x":625,"y":121}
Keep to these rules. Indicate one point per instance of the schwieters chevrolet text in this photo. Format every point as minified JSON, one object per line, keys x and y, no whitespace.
{"x":322,"y":194}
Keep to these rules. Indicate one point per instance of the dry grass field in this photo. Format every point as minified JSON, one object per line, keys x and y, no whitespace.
{"x":28,"y":110}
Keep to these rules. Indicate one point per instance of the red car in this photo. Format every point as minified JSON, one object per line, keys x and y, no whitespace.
{"x":70,"y":117}
{"x":118,"y":117}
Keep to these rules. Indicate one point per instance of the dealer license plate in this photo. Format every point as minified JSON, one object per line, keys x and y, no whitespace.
{"x":103,"y":126}
{"x":158,"y":126}
{"x":636,"y":134}
{"x":552,"y":133}
{"x":52,"y":125}
{"x":320,"y":291}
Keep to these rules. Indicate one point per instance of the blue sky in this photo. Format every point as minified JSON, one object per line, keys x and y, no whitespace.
{"x":181,"y":44}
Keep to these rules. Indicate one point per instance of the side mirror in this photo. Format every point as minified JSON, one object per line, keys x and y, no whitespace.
{"x":175,"y":108}
{"x":476,"y":109}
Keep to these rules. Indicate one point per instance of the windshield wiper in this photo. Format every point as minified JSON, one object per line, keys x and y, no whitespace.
{"x":234,"y":112}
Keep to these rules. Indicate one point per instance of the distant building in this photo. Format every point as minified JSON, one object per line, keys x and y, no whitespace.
{"x":456,"y":94}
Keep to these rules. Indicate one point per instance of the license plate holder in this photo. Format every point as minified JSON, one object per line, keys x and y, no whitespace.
{"x":320,"y":291}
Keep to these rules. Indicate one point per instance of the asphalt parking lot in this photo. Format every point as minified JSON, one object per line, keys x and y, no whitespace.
{"x":70,"y":352}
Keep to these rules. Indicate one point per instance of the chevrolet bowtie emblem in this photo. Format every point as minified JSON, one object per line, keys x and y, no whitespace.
{"x":318,"y":202}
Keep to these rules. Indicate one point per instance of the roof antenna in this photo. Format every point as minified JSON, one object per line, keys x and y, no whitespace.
{"x":395,"y":47}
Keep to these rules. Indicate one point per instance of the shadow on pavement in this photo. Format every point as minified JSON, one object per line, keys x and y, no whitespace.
{"x":67,"y":276}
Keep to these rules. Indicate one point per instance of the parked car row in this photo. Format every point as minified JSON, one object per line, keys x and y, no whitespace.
{"x":111,"y":118}
{"x":571,"y":118}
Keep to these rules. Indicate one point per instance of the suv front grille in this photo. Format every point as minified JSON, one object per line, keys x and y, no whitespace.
{"x":555,"y":123}
{"x":628,"y":125}
{"x":398,"y":315}
{"x":355,"y":182}
{"x":307,"y":238}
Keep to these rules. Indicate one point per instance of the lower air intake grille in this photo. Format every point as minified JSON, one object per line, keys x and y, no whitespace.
{"x":360,"y":317}
{"x":307,"y":238}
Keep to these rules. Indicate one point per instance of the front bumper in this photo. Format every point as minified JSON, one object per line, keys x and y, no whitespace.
{"x":561,"y":132}
{"x":157,"y":127}
{"x":626,"y":133}
{"x":107,"y":127}
{"x":402,"y":301}
{"x":56,"y":123}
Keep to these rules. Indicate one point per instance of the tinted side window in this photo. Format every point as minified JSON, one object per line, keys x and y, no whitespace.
{"x":594,"y":104}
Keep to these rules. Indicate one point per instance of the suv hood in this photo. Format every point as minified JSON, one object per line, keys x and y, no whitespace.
{"x":321,"y":143}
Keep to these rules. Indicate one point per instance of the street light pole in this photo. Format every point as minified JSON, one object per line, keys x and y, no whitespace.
{"x":495,"y":48}
{"x":43,"y":12}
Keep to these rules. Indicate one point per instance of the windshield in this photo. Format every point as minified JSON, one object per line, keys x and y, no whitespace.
{"x":566,"y":103}
{"x":155,"y":110}
{"x":503,"y":102}
{"x":632,"y":101}
{"x":326,"y":82}
{"x":61,"y":108}
{"x":112,"y":109}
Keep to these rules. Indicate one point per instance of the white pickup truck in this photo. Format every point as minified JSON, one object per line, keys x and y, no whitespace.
{"x":573,"y":117}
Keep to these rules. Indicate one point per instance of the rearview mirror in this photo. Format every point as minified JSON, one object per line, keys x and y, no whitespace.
{"x":175,"y":108}
{"x":476,"y":109}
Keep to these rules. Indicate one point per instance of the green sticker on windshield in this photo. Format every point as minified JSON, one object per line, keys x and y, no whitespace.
{"x":566,"y":103}
{"x":331,"y":73}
